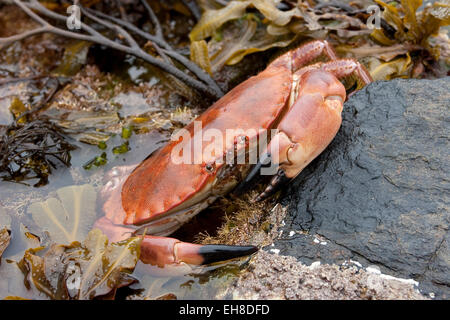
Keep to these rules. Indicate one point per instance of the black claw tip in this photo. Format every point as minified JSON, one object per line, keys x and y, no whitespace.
{"x":215,"y":252}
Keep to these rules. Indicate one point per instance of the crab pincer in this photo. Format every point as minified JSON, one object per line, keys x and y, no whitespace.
{"x":163,"y":251}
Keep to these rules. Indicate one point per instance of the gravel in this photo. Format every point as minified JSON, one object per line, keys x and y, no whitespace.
{"x":272,"y":276}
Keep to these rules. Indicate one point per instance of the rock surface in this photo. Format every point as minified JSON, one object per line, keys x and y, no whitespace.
{"x":379,"y":194}
{"x":271,"y":276}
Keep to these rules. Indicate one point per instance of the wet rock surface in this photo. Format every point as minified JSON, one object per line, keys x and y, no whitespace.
{"x":379,"y":194}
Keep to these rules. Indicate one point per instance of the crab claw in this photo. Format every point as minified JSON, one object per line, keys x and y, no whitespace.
{"x":165,"y":251}
{"x":162,"y":251}
{"x":305,"y":131}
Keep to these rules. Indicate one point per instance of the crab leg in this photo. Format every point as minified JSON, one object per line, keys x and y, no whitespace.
{"x":162,"y":251}
{"x":344,"y":68}
{"x":313,"y":51}
{"x":277,"y":181}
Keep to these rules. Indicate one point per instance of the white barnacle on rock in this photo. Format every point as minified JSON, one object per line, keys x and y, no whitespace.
{"x":376,"y":270}
{"x":356,"y":263}
{"x":373,"y":269}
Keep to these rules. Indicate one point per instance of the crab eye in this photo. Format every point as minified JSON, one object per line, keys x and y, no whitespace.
{"x":209,"y":168}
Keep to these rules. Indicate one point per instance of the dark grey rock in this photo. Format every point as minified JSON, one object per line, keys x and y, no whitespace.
{"x":379,"y":194}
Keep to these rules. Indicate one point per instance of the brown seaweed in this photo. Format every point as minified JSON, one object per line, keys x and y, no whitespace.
{"x":32,"y":150}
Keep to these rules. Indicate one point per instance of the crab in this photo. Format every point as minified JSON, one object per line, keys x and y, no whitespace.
{"x":299,"y":98}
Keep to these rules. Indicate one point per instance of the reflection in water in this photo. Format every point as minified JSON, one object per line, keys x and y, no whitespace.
{"x":188,"y":282}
